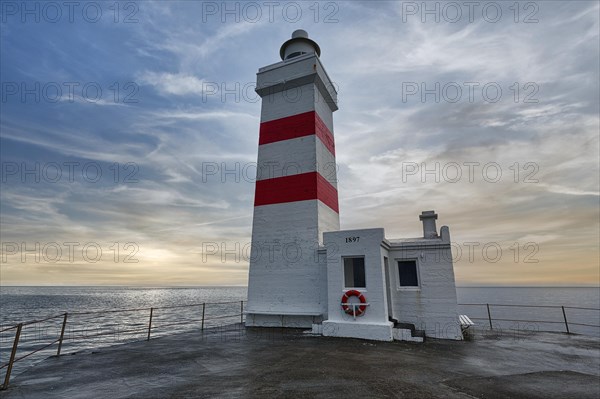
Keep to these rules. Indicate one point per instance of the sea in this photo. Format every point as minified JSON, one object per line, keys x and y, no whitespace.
{"x":104,"y":316}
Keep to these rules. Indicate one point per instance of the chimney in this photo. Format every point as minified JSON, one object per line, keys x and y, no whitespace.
{"x":429,"y":229}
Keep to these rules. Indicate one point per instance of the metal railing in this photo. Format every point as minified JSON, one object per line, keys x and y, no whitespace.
{"x":564,"y":320}
{"x":151,"y":326}
{"x":153,"y":312}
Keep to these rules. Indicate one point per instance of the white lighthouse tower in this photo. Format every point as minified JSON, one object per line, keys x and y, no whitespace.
{"x":296,"y":197}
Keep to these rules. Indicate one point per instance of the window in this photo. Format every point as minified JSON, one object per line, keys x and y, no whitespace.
{"x":407,"y":271}
{"x":296,"y":54}
{"x":354,"y":273}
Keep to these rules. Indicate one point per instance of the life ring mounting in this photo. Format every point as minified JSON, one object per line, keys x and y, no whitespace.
{"x":353,"y":309}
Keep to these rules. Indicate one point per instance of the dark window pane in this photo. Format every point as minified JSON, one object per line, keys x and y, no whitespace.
{"x":359,"y":272}
{"x":354,"y":272}
{"x":407,"y":270}
{"x":348,"y":272}
{"x":296,"y":54}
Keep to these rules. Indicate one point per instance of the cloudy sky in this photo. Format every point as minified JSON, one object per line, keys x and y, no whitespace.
{"x":129,"y":134}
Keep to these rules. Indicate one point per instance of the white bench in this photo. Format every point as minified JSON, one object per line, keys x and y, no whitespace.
{"x":282,"y":314}
{"x":465,"y":322}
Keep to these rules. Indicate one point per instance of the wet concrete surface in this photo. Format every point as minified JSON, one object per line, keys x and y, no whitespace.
{"x":235,"y":362}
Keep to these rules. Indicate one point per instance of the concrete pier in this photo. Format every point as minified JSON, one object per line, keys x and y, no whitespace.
{"x":235,"y":362}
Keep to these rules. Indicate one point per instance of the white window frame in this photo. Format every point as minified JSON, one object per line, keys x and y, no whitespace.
{"x":418,"y":267}
{"x":363,"y":289}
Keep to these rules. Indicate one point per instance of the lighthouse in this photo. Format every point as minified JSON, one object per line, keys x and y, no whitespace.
{"x":304,"y":271}
{"x":296,"y":197}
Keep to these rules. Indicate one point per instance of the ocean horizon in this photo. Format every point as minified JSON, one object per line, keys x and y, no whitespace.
{"x":24,"y":300}
{"x":24,"y":303}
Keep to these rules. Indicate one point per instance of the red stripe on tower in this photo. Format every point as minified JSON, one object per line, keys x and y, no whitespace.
{"x":300,"y":125}
{"x":301,"y":187}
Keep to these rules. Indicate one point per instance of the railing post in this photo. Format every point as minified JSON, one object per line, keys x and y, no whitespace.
{"x":62,"y":335}
{"x":12,"y":356}
{"x":565,"y":317}
{"x":150,"y":324}
{"x":489,"y":316}
{"x":242,"y":312}
{"x":203,"y":308}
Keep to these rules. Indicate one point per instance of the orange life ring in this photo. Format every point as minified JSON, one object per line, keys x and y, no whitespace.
{"x":360,"y":310}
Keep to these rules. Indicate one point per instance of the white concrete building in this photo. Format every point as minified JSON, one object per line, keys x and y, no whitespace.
{"x":304,"y":271}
